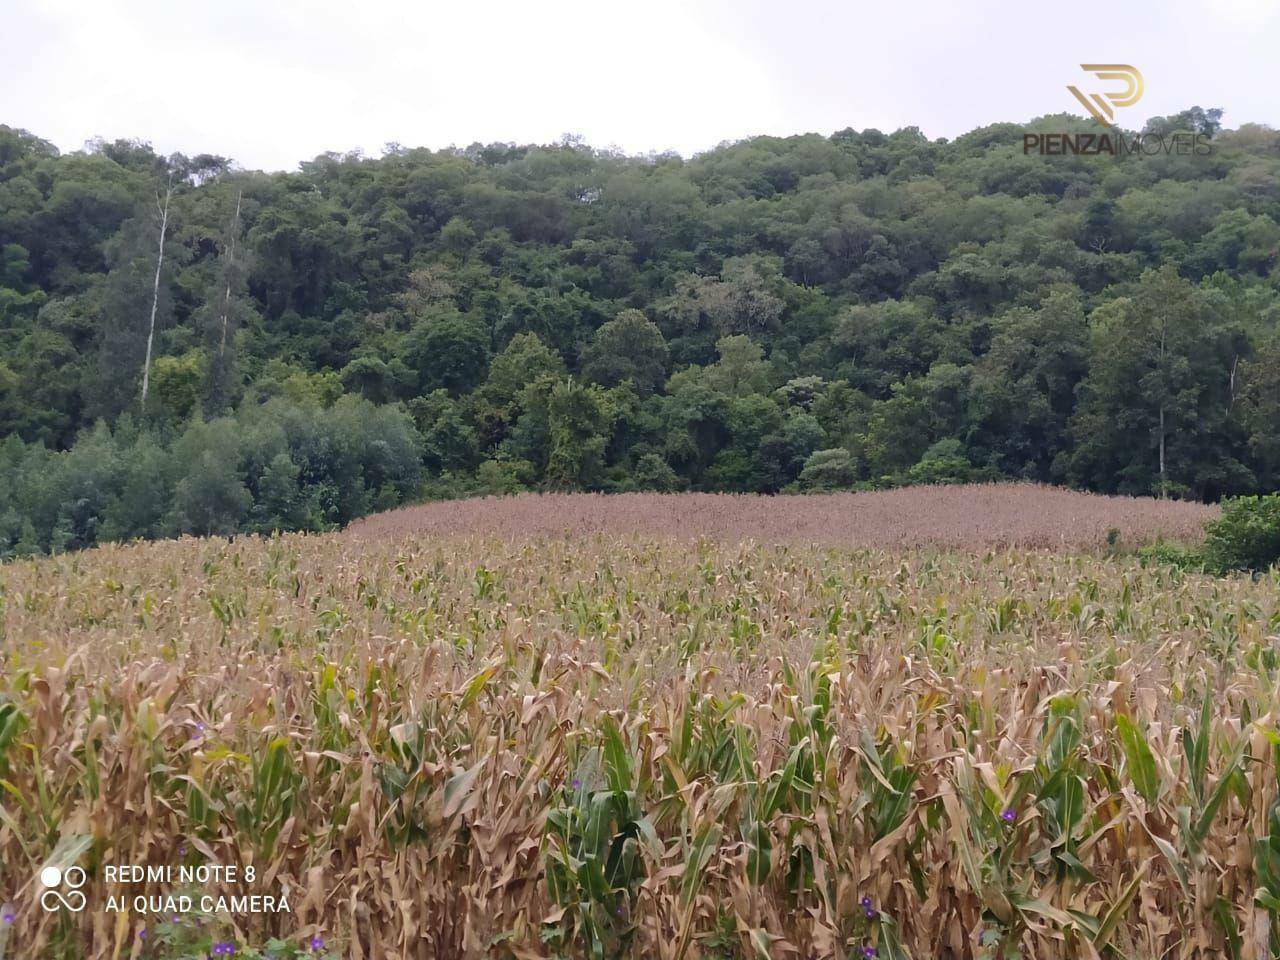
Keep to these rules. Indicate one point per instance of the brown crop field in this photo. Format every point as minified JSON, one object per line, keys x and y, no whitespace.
{"x":445,"y":745}
{"x":973,"y":516}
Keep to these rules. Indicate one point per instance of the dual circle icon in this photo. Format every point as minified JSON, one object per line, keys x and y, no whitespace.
{"x":54,"y":880}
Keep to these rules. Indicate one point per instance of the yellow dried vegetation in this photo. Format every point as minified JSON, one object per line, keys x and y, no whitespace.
{"x":644,"y":747}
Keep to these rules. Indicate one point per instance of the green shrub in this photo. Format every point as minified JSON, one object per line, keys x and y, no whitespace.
{"x":1246,"y":536}
{"x":1173,"y":555}
{"x":831,"y":469}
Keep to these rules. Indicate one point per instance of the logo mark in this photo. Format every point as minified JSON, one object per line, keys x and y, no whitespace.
{"x":1101,"y":105}
{"x":52,"y":878}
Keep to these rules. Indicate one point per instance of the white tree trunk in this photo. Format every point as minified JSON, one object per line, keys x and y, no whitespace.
{"x":1164,"y":333}
{"x":155,"y":290}
{"x":231,"y":259}
{"x":1164,"y":489}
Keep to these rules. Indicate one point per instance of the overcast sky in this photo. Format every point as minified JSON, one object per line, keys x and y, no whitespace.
{"x":272,"y":82}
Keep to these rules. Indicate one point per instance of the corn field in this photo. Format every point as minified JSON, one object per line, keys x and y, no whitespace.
{"x":638,"y":746}
{"x":968,"y":515}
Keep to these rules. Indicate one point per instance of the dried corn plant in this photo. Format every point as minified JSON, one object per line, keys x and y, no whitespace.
{"x":967,"y":516}
{"x":635,"y":746}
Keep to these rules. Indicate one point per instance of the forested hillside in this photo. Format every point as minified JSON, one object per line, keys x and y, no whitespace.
{"x":858,"y":310}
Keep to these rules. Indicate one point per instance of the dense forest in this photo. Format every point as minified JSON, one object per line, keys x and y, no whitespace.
{"x":189,"y":347}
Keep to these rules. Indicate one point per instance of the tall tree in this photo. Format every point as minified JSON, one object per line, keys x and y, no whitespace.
{"x":1024,"y":389}
{"x":224,"y":313}
{"x":229,"y":269}
{"x":1156,"y":410}
{"x":629,"y":347}
{"x":163,"y":209}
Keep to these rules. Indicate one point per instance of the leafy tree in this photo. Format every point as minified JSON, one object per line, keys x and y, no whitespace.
{"x":131,"y":306}
{"x":578,"y":421}
{"x":177,"y":382}
{"x":524,"y":361}
{"x":884,"y":343}
{"x":1023,"y":391}
{"x":1247,"y":534}
{"x":446,"y":350}
{"x":1194,"y":120}
{"x":498,"y":478}
{"x":934,"y":309}
{"x":1260,"y":394}
{"x":920,"y":412}
{"x":210,"y":497}
{"x":741,"y":370}
{"x":281,"y":504}
{"x":653,"y":473}
{"x":629,"y":347}
{"x":944,"y":462}
{"x":378,"y":380}
{"x":831,"y":469}
{"x":448,"y":439}
{"x":1156,"y":411}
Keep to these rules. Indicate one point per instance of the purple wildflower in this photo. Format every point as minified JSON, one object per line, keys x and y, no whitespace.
{"x":577,"y":784}
{"x":869,"y":952}
{"x":1008,"y":815}
{"x":7,"y":915}
{"x":317,"y":943}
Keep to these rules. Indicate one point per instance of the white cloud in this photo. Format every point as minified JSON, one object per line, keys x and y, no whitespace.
{"x":1243,"y":12}
{"x":273,"y":83}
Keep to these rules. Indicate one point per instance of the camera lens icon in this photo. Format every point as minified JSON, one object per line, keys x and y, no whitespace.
{"x":54,"y":880}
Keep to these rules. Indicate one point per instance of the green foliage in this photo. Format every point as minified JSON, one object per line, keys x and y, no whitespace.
{"x":446,"y":350}
{"x":829,"y":470}
{"x":1266,"y":859}
{"x":578,"y":419}
{"x":1156,"y":381}
{"x":1178,"y":555}
{"x":940,"y":311}
{"x":593,"y":838}
{"x":944,"y":462}
{"x":498,"y":478}
{"x":177,"y":382}
{"x":282,"y":466}
{"x":651,"y":472}
{"x":629,"y":347}
{"x":198,"y":935}
{"x":1246,"y":536}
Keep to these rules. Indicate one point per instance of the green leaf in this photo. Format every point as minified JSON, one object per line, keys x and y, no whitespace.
{"x":703,"y":846}
{"x":476,"y":684}
{"x":1138,"y":758}
{"x":617,"y":765}
{"x":1195,"y":746}
{"x":759,"y":851}
{"x":1047,"y":910}
{"x":1117,"y":910}
{"x":1214,"y":801}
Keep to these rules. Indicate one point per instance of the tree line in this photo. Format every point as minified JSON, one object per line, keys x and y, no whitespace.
{"x":186,"y":346}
